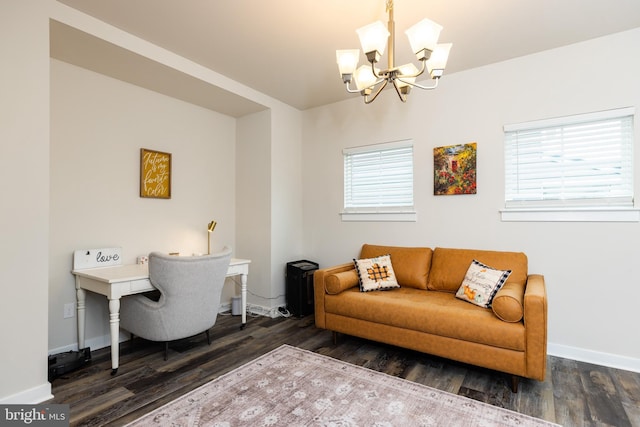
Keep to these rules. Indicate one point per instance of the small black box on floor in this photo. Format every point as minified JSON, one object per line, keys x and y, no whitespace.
{"x":62,"y":363}
{"x":299,"y":287}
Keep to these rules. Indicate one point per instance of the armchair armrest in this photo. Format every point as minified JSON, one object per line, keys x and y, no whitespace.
{"x":535,"y":322}
{"x":319,"y":279}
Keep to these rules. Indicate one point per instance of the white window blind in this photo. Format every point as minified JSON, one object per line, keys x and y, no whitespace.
{"x":577,"y":161}
{"x":379,"y":178}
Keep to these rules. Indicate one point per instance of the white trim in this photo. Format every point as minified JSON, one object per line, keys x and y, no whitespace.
{"x":595,"y":357}
{"x":572,"y":215}
{"x":404,"y":143}
{"x":379,"y":216}
{"x":31,"y":396}
{"x":96,"y":343}
{"x":568,"y":120}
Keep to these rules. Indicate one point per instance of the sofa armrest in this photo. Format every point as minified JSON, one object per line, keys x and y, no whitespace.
{"x":535,"y":322}
{"x":319,"y":278}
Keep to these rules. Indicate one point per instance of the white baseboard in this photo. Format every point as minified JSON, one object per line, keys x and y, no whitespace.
{"x":31,"y":396}
{"x":595,"y":357}
{"x":96,"y":343}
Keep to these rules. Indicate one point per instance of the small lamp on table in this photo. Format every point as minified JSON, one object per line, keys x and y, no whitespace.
{"x":210,"y":228}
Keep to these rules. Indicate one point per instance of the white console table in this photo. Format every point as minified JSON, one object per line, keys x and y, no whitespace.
{"x":122,"y":280}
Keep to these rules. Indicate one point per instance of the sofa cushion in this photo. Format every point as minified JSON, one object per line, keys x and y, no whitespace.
{"x":410,"y":264}
{"x":481,"y":283}
{"x":437,"y":313}
{"x":376,"y":274}
{"x":508,"y":304}
{"x":449,"y":266}
{"x":338,"y":282}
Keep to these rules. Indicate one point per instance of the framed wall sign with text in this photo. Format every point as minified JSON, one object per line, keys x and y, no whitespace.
{"x":155,"y":174}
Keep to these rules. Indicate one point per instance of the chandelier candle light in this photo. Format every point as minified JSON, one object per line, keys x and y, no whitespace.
{"x":423,"y":38}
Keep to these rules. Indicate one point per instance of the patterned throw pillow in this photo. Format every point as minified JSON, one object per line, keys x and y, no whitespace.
{"x":481,"y":283}
{"x":376,"y":273}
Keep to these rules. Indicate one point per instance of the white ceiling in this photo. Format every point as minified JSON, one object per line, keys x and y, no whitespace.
{"x":286,"y":48}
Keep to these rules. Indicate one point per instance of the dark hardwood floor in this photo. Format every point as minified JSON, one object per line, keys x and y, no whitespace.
{"x":574,"y":393}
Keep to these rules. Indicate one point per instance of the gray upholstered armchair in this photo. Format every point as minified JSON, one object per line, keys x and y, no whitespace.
{"x":190,"y":289}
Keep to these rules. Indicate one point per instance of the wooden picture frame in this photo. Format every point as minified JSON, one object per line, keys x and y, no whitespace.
{"x":155,"y":174}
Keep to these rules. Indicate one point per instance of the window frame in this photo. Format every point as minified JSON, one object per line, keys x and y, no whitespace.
{"x":376,"y":212}
{"x":596,"y":210}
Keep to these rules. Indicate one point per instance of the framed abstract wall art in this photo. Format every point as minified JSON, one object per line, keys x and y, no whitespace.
{"x":155,"y":174}
{"x":454,"y":169}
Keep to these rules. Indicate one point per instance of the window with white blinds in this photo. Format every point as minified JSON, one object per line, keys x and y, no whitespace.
{"x":379,"y":178}
{"x":582,"y":161}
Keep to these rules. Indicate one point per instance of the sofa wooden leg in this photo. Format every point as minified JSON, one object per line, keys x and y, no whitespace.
{"x":515,"y":381}
{"x":166,"y":350}
{"x":335,"y":338}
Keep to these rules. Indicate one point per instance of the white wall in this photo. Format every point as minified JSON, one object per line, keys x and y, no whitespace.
{"x":98,"y":125}
{"x":287,"y":190}
{"x":589,"y":267}
{"x":24,"y":185}
{"x":253,"y":177}
{"x":269,"y":201}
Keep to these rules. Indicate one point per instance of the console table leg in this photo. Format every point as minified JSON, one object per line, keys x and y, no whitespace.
{"x":243,"y":294}
{"x":80,"y":295}
{"x":114,"y":323}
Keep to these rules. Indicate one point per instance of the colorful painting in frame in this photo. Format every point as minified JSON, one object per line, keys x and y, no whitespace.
{"x":454,"y":169}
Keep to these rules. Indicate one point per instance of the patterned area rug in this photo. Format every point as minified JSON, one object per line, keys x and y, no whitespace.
{"x":294,"y":387}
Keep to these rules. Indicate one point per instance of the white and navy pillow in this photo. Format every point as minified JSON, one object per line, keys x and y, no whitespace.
{"x":481,"y":283}
{"x":375,"y":274}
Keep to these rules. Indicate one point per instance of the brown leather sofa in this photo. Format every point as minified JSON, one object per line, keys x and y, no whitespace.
{"x":424,"y":314}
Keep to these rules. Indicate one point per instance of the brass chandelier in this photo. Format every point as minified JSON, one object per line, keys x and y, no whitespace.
{"x":369,"y":80}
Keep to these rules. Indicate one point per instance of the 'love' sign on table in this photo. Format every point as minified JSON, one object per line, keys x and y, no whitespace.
{"x":94,"y":258}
